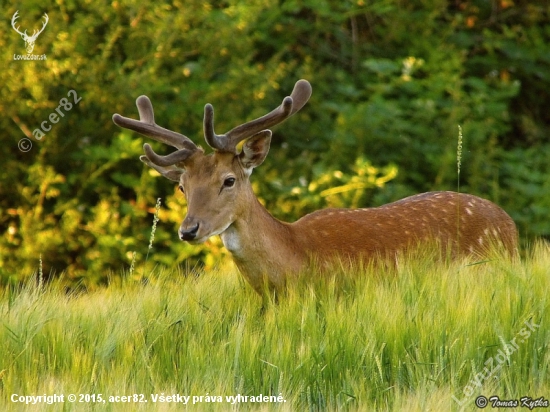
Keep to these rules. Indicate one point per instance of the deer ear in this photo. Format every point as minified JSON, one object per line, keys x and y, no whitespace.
{"x":171,"y":172}
{"x":255,"y":150}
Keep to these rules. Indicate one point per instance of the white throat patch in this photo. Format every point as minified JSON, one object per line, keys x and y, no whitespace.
{"x":231,"y":240}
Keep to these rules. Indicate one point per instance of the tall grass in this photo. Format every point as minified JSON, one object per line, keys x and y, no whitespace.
{"x":408,"y":339}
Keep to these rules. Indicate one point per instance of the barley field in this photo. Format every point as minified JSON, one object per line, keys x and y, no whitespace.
{"x":425,"y":336}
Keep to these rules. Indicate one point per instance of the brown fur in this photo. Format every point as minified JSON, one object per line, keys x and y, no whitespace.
{"x":270,"y":250}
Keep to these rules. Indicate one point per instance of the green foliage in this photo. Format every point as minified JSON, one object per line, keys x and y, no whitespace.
{"x":325,"y":189}
{"x":526,"y":177}
{"x":391,"y":80}
{"x":410,"y":340}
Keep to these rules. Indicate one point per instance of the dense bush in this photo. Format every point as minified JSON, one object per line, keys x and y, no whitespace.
{"x":392,"y":81}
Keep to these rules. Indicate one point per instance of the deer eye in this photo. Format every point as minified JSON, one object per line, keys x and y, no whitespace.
{"x":229,"y":182}
{"x":180,"y":187}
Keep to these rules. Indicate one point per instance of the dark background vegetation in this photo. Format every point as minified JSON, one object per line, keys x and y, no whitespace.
{"x":392,"y":80}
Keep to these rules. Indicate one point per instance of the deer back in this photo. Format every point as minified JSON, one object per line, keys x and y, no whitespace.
{"x":462,"y":224}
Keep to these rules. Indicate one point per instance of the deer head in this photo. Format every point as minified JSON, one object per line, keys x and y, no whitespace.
{"x":29,"y":40}
{"x":216,"y":185}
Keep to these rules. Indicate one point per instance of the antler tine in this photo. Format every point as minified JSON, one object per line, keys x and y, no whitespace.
{"x":300,"y":95}
{"x":228,"y":142}
{"x":170,"y":172}
{"x":168,"y":160}
{"x":215,"y":141}
{"x":146,"y":126}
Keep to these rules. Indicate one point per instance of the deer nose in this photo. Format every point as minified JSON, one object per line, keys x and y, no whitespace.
{"x":189,"y":234}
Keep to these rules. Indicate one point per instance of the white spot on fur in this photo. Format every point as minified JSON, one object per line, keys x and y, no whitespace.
{"x":469,"y":211}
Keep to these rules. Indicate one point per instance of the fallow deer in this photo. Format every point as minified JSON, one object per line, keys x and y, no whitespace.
{"x":220,"y":201}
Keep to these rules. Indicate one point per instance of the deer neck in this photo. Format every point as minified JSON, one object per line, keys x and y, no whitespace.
{"x":262,"y":247}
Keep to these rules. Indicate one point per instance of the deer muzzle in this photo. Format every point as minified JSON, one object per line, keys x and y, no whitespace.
{"x":189,"y":229}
